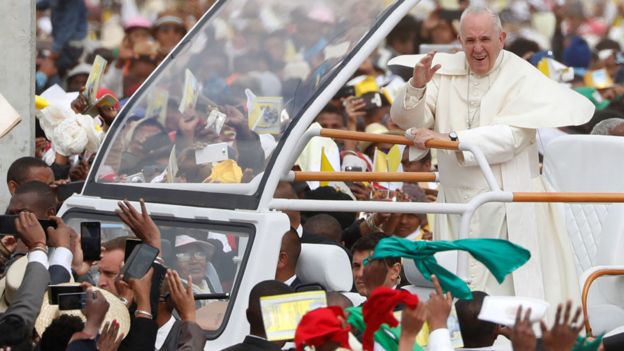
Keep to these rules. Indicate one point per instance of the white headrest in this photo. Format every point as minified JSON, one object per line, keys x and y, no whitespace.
{"x":446,"y":259}
{"x":328,"y":265}
{"x":585,"y":163}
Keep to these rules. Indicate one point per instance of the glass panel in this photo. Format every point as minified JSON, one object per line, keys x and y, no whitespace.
{"x":211,"y":254}
{"x":214,"y":113}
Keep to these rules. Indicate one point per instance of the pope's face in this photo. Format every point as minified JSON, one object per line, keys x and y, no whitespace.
{"x":482,"y":42}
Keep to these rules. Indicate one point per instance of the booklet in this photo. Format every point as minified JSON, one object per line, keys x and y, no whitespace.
{"x":93,"y":82}
{"x":9,"y":117}
{"x":190,"y":92}
{"x":157,"y":101}
{"x":264,"y":115}
{"x":281,"y":313}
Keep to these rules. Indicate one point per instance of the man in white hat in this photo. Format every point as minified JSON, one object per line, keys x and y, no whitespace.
{"x":491,"y":98}
{"x":193,"y":258}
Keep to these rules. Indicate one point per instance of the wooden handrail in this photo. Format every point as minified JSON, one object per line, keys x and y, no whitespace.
{"x":365,"y":176}
{"x":585,"y":293}
{"x":386,"y":138}
{"x":567,"y":197}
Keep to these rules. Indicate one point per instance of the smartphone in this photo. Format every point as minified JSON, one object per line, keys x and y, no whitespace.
{"x":372,"y":101}
{"x":71,"y":301}
{"x":139,"y":262}
{"x":345,"y":91}
{"x":7,"y":224}
{"x":55,"y":290}
{"x":91,"y":240}
{"x":130,"y":245}
{"x":353,"y":169}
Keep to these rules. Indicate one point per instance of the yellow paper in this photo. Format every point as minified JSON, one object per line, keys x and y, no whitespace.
{"x":325,"y":166}
{"x":281,"y":313}
{"x":367,"y":85}
{"x":394,"y":159}
{"x":598,"y":79}
{"x":380,"y":162}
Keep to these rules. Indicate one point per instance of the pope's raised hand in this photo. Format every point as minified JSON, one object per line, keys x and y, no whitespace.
{"x":423,"y":71}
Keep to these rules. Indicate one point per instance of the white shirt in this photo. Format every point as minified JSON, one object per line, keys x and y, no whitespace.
{"x":61,"y":256}
{"x":440,"y":340}
{"x":163,"y":332}
{"x":290,"y":280}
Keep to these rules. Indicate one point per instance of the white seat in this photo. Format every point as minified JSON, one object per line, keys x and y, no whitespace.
{"x":421,"y":286}
{"x":328,"y":265}
{"x":591,"y":163}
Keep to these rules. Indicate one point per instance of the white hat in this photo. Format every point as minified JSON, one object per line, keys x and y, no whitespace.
{"x":185,"y":240}
{"x":83,"y":68}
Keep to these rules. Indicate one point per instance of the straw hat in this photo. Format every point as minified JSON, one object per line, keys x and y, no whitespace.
{"x":11,"y":282}
{"x":117,"y":311}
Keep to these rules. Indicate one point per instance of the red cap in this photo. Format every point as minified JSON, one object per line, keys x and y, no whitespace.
{"x":320,"y":326}
{"x":379,"y":308}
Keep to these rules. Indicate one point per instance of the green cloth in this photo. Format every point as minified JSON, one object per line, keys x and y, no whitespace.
{"x":582,"y":344}
{"x":387,"y":337}
{"x":500,"y":257}
{"x":594,"y":96}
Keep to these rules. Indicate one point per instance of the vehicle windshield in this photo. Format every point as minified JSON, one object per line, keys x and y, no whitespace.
{"x":214,"y":110}
{"x":212,"y":255}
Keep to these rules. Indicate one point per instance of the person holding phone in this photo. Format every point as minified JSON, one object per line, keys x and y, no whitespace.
{"x":490,"y":97}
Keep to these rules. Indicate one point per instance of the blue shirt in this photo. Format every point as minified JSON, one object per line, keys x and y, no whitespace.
{"x":69,"y":20}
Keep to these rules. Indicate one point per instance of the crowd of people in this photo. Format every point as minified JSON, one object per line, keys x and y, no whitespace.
{"x":239,"y":84}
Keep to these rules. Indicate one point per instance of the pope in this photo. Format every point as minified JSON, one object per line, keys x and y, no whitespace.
{"x":495,"y":100}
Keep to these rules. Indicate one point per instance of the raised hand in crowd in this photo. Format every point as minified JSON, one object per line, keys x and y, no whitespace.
{"x":80,"y":103}
{"x":141,"y":290}
{"x":95,"y":311}
{"x":141,"y":224}
{"x":360,"y":191}
{"x":562,"y":336}
{"x":238,"y":122}
{"x":182,"y":297}
{"x":30,"y":231}
{"x":78,"y":265}
{"x":522,"y":336}
{"x":110,"y":338}
{"x":412,"y":320}
{"x":79,"y":171}
{"x":438,"y":306}
{"x":354,"y":107}
{"x":61,"y":235}
{"x":423,"y":71}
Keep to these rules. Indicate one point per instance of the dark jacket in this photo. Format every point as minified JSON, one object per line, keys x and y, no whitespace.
{"x":253,"y":343}
{"x":184,"y":336}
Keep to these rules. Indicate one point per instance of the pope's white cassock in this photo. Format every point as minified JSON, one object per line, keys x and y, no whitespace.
{"x":498,"y":112}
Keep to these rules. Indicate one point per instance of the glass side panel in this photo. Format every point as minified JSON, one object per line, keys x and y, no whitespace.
{"x":214,"y":111}
{"x":213,"y":255}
